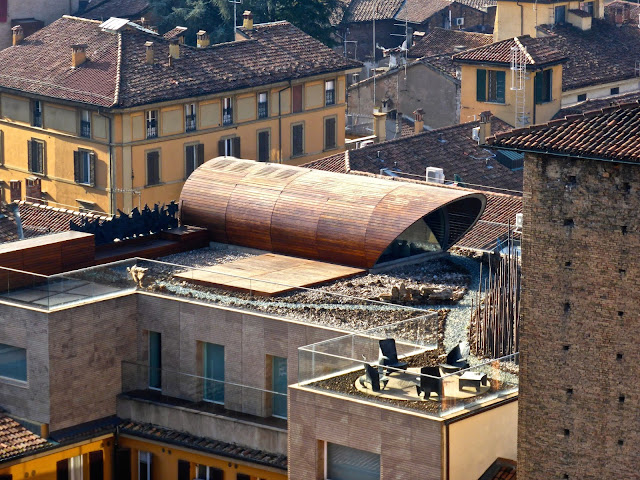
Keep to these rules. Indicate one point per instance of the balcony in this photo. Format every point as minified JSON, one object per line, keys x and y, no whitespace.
{"x":227,"y":117}
{"x":152,"y":131}
{"x":190,"y":123}
{"x":329,"y":97}
{"x":263,"y":110}
{"x":85,"y":129}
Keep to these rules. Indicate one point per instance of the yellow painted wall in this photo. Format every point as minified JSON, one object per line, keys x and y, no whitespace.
{"x":165,"y":461}
{"x":43,"y":465}
{"x":477,"y":441}
{"x":470,"y":107}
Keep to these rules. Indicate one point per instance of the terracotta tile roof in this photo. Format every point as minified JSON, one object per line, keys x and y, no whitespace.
{"x":419,"y":11}
{"x":604,"y":54}
{"x":154,"y":432}
{"x":333,"y":163}
{"x":482,"y":5}
{"x":442,"y":41}
{"x":8,"y":227}
{"x":38,"y":219}
{"x":175,"y":32}
{"x":449,"y":148}
{"x":367,"y":10}
{"x":612,"y":133}
{"x":16,"y":440}
{"x":501,"y":469}
{"x":41,"y":65}
{"x":499,"y":213}
{"x":105,"y":9}
{"x":580,"y":13}
{"x":597,"y":104}
{"x":538,"y":53}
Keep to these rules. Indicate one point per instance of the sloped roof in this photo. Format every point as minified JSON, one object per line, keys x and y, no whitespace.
{"x":501,"y":469}
{"x":538,"y":54}
{"x":597,"y":104}
{"x":419,"y":11}
{"x":604,"y":54}
{"x":441,"y":41}
{"x":368,"y":10}
{"x":175,"y":32}
{"x":104,"y":9}
{"x":612,"y":133}
{"x":116,"y":73}
{"x":16,"y":440}
{"x":39,"y":219}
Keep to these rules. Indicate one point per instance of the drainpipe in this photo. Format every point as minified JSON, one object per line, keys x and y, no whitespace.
{"x":15,"y":209}
{"x":112,"y":170}
{"x":280,"y":120}
{"x":521,"y":18}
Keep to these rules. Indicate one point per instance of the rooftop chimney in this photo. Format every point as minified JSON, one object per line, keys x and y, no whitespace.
{"x":203,"y":39}
{"x":485,"y":127}
{"x":78,"y":55}
{"x":247,"y":22}
{"x":150,"y":50}
{"x":18,"y":35}
{"x":174,"y":48}
{"x":380,"y":126}
{"x":418,"y":120}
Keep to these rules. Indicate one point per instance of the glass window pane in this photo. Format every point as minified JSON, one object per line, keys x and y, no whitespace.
{"x":345,"y":463}
{"x":214,"y":372}
{"x":279,"y":380}
{"x":155,"y":360}
{"x":13,"y":362}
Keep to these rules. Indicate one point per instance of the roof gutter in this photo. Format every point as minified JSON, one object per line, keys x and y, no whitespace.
{"x":567,"y":155}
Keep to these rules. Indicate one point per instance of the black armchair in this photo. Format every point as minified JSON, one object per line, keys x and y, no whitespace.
{"x":430,"y":384}
{"x":389,"y":356}
{"x":456,"y":359}
{"x":373,"y":377}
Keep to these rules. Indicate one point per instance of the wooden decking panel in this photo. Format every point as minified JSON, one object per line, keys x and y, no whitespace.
{"x":268,"y":274}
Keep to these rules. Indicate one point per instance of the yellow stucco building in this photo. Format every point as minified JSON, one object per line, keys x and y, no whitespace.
{"x":112,"y":116}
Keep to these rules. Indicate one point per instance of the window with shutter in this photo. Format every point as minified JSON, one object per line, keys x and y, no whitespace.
{"x":35,"y":152}
{"x":329,"y":133}
{"x":191,"y":159}
{"x":296,"y":93}
{"x":263,"y":146}
{"x":96,"y":465}
{"x":184,"y":470}
{"x":62,"y":470}
{"x":297,"y":139}
{"x":481,"y":85}
{"x":123,"y":464}
{"x":200,"y":154}
{"x":84,"y":167}
{"x":235,"y":150}
{"x":543,"y":86}
{"x":153,"y":167}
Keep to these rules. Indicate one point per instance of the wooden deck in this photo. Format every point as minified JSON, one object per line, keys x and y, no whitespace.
{"x":268,"y":274}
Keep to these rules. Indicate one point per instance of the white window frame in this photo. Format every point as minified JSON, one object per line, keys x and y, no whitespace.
{"x":147,"y":458}
{"x":85,"y":117}
{"x":150,"y":116}
{"x":227,"y":106}
{"x":190,"y":110}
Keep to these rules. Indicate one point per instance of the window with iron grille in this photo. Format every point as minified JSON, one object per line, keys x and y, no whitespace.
{"x":190,"y":117}
{"x":152,"y":124}
{"x":297,"y":139}
{"x":84,"y":167}
{"x":194,"y":157}
{"x":263,"y":105}
{"x":329,"y":133}
{"x":35,"y":155}
{"x":330,"y":92}
{"x":153,"y":167}
{"x":227,"y":111}
{"x":85,"y":124}
{"x":36,"y":120}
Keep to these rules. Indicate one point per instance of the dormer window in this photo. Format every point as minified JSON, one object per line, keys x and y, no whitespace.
{"x":190,"y":117}
{"x":330,"y":92}
{"x":36,"y":119}
{"x":152,"y":124}
{"x":85,"y":124}
{"x":227,"y":111}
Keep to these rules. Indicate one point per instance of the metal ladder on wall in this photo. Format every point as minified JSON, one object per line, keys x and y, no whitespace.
{"x":519,"y":79}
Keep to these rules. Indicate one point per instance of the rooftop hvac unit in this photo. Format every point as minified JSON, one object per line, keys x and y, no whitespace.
{"x":459,"y":21}
{"x":365,"y":143}
{"x":435,"y":175}
{"x":518,"y":221}
{"x":475,"y":133}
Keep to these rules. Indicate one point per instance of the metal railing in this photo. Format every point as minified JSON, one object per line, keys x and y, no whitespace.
{"x":85,"y":129}
{"x":190,"y":123}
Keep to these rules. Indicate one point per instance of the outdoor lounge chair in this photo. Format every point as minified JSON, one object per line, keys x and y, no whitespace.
{"x":373,"y":377}
{"x":429,"y":385}
{"x":389,"y":357}
{"x":456,"y":360}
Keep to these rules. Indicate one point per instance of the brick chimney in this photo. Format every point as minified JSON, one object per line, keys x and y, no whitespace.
{"x":174,"y":48}
{"x":18,"y":34}
{"x":150,"y":51}
{"x":485,"y":127}
{"x":203,"y":39}
{"x":380,"y":126}
{"x":247,"y":20}
{"x":78,"y":55}
{"x":418,"y":124}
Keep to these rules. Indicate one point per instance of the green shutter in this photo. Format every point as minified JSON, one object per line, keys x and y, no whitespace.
{"x":481,"y":85}
{"x":550,"y":85}
{"x":76,"y":167}
{"x":500,"y":86}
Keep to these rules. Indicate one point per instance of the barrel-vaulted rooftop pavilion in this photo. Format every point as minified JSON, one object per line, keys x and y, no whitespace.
{"x":345,"y":219}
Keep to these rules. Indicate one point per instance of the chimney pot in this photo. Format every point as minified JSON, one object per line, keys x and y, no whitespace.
{"x":18,"y":34}
{"x":78,"y":55}
{"x":174,"y":48}
{"x":150,"y":51}
{"x":485,"y":127}
{"x":247,"y":20}
{"x":418,"y":117}
{"x":380,"y":126}
{"x":203,"y":39}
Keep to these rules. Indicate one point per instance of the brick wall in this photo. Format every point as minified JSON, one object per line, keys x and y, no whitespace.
{"x":579,"y":352}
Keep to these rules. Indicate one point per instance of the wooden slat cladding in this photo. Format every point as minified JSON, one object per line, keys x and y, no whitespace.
{"x":346,"y":219}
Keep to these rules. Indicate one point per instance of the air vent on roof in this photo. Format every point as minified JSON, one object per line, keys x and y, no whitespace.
{"x":435,"y":175}
{"x":114,"y":24}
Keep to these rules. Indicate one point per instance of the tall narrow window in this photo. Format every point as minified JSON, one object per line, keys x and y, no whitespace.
{"x":13,"y":362}
{"x":144,"y":465}
{"x":227,"y":111}
{"x":559,"y":14}
{"x":36,"y":118}
{"x":204,"y":472}
{"x":279,"y":387}
{"x":155,"y":360}
{"x":330,"y":133}
{"x":190,"y":117}
{"x":330,"y":92}
{"x":263,"y":146}
{"x":84,"y":167}
{"x":297,"y":140}
{"x":214,"y":373}
{"x":36,"y":155}
{"x":153,"y":167}
{"x":152,"y":124}
{"x":229,"y":147}
{"x":96,"y":465}
{"x":194,"y":157}
{"x":543,"y":86}
{"x":263,"y":104}
{"x":85,"y":124}
{"x":296,"y":101}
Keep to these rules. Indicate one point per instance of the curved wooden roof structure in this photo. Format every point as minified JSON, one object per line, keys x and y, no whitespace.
{"x":333,"y":217}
